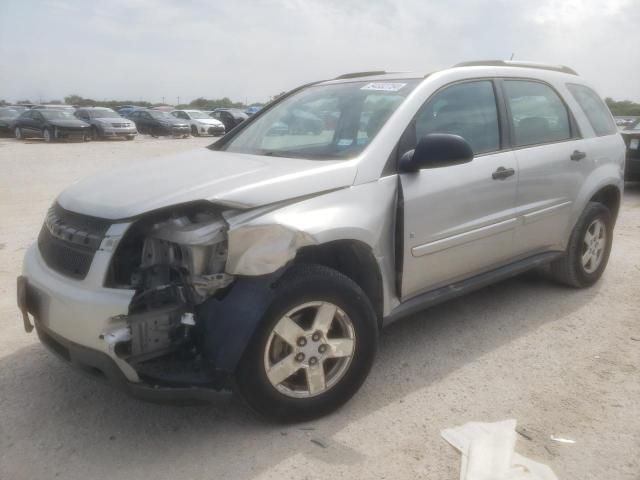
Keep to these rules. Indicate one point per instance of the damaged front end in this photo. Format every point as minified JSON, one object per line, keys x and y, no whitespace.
{"x":175,"y":262}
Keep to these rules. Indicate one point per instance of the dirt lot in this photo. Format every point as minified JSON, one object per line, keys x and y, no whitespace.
{"x":560,"y":361}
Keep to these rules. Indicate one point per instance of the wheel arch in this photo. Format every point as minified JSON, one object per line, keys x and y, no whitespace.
{"x":355,"y":260}
{"x":610,"y":196}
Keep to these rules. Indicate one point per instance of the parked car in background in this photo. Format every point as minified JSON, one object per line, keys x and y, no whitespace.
{"x":125,"y":110}
{"x":252,"y":110}
{"x":200,"y":122}
{"x":51,"y":124}
{"x":106,"y":123}
{"x":163,"y":108}
{"x":8,"y":115}
{"x":158,"y":123}
{"x":631,"y":136}
{"x":69,"y":108}
{"x":229,"y":116}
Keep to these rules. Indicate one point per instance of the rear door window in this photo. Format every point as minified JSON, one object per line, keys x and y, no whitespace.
{"x":594,"y":108}
{"x":537,"y":113}
{"x":466,"y":109}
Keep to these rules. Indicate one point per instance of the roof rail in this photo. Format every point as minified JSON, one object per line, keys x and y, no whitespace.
{"x":360,"y":74}
{"x":512,"y":63}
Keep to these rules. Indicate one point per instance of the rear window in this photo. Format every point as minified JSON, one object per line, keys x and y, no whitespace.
{"x":594,"y":108}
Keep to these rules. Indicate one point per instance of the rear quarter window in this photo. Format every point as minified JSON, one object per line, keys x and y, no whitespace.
{"x":594,"y":108}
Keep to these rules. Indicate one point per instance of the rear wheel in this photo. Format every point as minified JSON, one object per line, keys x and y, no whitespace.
{"x":588,"y":251}
{"x":314,"y":348}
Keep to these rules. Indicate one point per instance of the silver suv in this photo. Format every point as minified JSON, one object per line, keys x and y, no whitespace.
{"x":270,"y":261}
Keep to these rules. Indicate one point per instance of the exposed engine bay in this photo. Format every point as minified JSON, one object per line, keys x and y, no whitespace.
{"x":174,"y":264}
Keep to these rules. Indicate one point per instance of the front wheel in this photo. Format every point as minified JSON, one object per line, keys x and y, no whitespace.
{"x":194,"y":131}
{"x":46,"y":134}
{"x":588,"y":251}
{"x":314,"y":348}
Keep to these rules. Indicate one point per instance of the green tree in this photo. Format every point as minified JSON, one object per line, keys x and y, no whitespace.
{"x":623,"y":107}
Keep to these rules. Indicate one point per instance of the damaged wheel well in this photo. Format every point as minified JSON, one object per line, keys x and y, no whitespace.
{"x":353,"y":259}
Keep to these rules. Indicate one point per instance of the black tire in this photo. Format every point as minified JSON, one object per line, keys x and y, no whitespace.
{"x":194,"y":131}
{"x":568,"y":269}
{"x":130,"y":137}
{"x":94,"y":134}
{"x":301,"y":284}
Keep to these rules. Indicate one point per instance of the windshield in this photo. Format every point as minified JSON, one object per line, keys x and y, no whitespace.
{"x":160,"y":115}
{"x":106,"y":113}
{"x":323,"y":121}
{"x":56,"y":114}
{"x":198,"y":115}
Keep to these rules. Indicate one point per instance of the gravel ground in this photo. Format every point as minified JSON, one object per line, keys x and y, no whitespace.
{"x":560,"y":361}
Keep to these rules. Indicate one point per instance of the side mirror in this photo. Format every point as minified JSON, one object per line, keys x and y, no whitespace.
{"x":436,"y":150}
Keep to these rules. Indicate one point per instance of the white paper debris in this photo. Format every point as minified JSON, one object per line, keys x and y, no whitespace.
{"x":488,"y":453}
{"x":562,"y":440}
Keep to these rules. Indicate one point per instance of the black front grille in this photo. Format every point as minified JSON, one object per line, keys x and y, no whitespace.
{"x":68,"y":241}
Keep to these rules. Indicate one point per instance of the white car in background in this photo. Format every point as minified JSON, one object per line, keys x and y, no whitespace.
{"x":200,"y":122}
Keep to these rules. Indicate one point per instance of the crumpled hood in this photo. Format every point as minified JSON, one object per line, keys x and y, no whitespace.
{"x":238,"y":180}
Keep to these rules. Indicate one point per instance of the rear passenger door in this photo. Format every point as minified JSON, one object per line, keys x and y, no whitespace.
{"x":552,"y":163}
{"x":458,"y":220}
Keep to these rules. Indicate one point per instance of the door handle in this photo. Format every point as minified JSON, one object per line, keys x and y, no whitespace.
{"x":502,"y":173}
{"x":577,"y":155}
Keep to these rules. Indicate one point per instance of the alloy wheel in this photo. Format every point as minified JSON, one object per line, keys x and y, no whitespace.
{"x":309,"y":350}
{"x":593,"y":245}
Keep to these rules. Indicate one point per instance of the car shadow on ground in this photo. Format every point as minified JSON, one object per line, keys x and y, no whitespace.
{"x":74,"y":420}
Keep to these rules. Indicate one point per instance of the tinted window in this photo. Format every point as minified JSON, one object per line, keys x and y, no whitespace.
{"x":467,"y":109}
{"x":594,"y":108}
{"x":538,"y":115}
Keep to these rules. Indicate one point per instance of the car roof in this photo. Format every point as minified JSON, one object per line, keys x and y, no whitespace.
{"x":476,"y":66}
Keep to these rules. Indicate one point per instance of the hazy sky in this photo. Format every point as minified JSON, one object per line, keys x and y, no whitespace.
{"x":251,"y":50}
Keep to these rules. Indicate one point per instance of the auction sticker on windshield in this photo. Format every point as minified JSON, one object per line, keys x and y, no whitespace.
{"x":384,"y":87}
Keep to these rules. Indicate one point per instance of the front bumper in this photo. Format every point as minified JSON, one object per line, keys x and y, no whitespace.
{"x":119,"y":132}
{"x":71,"y":318}
{"x":71,"y":133}
{"x":210,"y":129}
{"x":177,"y":131}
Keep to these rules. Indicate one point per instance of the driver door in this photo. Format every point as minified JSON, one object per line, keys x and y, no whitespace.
{"x":459,"y":220}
